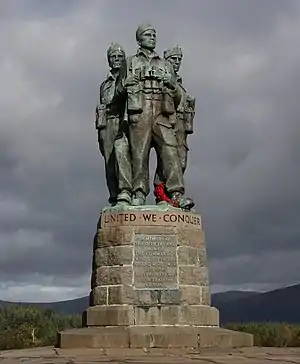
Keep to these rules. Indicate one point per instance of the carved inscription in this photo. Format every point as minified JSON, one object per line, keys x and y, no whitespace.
{"x":145,"y":218}
{"x":155,"y":262}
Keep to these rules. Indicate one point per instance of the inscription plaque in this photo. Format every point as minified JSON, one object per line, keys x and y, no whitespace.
{"x":155,"y":262}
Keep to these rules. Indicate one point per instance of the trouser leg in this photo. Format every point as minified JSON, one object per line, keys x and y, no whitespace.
{"x":158,"y":177}
{"x":183,"y":152}
{"x":123,"y":164}
{"x":111,"y":177}
{"x":140,"y":142}
{"x":182,"y":155}
{"x":106,"y":139}
{"x":181,"y":137}
{"x":167,"y":148}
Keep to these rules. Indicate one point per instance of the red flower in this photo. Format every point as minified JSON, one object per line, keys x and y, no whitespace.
{"x":160,"y":194}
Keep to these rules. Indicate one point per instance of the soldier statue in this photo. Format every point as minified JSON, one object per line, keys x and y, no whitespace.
{"x":112,"y":132}
{"x":185,"y":112}
{"x":152,"y":95}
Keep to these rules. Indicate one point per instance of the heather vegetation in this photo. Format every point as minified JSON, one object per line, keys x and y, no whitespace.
{"x":271,"y":334}
{"x":29,"y":326}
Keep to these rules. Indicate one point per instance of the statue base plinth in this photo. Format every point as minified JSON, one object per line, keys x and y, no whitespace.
{"x":153,"y":337}
{"x":150,"y":284}
{"x":163,"y":314}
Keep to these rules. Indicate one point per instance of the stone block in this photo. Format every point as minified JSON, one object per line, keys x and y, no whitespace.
{"x":199,"y":315}
{"x":118,"y":315}
{"x":184,"y":295}
{"x":189,"y":315}
{"x":195,"y":276}
{"x":169,"y":297}
{"x":148,"y":315}
{"x":187,"y":295}
{"x":99,"y":296}
{"x":190,"y":237}
{"x":145,"y":297}
{"x":194,"y":315}
{"x":205,"y":295}
{"x":115,"y":255}
{"x":170,"y":315}
{"x":113,"y":236}
{"x":94,"y":338}
{"x":111,"y":276}
{"x":163,"y":337}
{"x":217,"y":337}
{"x":120,"y":295}
{"x":187,"y":255}
{"x":190,"y":295}
{"x":201,"y":257}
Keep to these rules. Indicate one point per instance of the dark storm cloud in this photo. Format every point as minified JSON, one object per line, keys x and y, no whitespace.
{"x":242,"y":64}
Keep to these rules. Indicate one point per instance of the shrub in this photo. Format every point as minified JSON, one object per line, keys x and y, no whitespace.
{"x":28,"y":326}
{"x":270,"y":334}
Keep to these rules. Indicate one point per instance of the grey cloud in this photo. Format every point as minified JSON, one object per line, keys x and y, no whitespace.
{"x":34,"y":9}
{"x":280,"y":265}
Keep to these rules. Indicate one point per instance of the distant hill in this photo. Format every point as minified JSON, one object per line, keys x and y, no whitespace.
{"x":228,"y":296}
{"x":280,"y":305}
{"x":75,"y":306}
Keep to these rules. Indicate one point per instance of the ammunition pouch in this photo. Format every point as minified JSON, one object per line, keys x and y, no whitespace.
{"x":135,"y":99}
{"x":189,"y":122}
{"x":190,"y":114}
{"x":101,"y":117}
{"x":167,"y":105}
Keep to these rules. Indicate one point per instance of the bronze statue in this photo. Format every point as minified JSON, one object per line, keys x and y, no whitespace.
{"x":112,"y":132}
{"x":152,"y":94}
{"x":143,"y":105}
{"x":184,"y":114}
{"x":186,"y":109}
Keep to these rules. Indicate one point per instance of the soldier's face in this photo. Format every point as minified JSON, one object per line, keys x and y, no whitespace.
{"x":176,"y":62}
{"x":115,"y":60}
{"x":148,"y":39}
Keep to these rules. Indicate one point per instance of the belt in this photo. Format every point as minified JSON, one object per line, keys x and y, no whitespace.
{"x":112,"y":116}
{"x":153,"y":96}
{"x":152,"y":90}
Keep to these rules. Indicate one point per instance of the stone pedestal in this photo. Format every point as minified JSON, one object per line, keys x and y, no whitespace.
{"x":150,"y":284}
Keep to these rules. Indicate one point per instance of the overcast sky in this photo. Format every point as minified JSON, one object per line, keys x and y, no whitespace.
{"x":242,"y":63}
